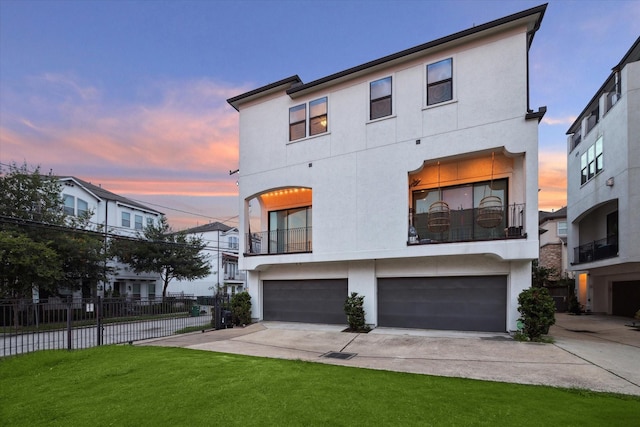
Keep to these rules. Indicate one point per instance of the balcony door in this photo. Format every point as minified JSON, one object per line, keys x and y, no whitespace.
{"x":290,"y":230}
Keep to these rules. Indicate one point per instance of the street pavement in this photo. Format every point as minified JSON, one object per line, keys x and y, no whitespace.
{"x":592,"y":352}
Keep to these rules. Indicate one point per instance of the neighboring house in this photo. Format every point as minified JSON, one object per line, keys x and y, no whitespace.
{"x":116,"y":215}
{"x":603,"y":188}
{"x":411,"y":180}
{"x":222,"y":247}
{"x":553,"y":242}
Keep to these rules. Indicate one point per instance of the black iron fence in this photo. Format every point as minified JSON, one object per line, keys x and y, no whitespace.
{"x":74,"y":323}
{"x":596,"y":250}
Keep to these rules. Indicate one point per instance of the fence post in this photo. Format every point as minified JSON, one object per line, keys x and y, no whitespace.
{"x":69,"y":315}
{"x":99,"y":330}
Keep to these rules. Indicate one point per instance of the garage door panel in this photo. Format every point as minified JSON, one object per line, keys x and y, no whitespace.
{"x":625,"y":298}
{"x":309,"y":301}
{"x":450,"y":303}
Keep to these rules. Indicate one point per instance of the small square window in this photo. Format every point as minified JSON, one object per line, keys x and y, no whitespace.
{"x":380,"y":98}
{"x":440,"y":81}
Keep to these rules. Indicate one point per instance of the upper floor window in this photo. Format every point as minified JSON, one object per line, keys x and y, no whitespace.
{"x":149,"y":221}
{"x":562,"y":228}
{"x":317,"y":119}
{"x":591,"y":162}
{"x":440,"y":81}
{"x":126,"y":219}
{"x":138,"y":222}
{"x":297,"y":122}
{"x":233,"y":242}
{"x":83,"y":207}
{"x":380,"y":98}
{"x":318,"y":116}
{"x":69,"y":204}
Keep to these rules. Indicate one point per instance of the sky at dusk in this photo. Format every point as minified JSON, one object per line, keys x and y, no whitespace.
{"x":132,"y":94}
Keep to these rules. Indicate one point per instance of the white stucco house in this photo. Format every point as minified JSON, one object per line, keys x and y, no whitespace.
{"x":222,"y":249}
{"x":410,"y":179}
{"x":603,"y":193}
{"x":553,"y":242}
{"x":117,"y":215}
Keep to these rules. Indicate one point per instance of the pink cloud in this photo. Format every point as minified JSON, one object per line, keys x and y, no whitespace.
{"x":552,"y":180}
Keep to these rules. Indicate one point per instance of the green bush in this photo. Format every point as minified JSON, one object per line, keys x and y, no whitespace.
{"x":354,"y":309}
{"x":241,"y":308}
{"x":537,"y":310}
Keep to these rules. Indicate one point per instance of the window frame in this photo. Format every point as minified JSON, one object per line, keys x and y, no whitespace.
{"x":308,"y":118}
{"x":384,"y":97}
{"x":137,"y":222}
{"x":561,"y":225}
{"x":435,"y":83}
{"x":592,"y":161}
{"x":128,"y":219}
{"x":69,"y":209}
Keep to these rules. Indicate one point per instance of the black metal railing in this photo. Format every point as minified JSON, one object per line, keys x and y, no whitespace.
{"x":467,"y":225}
{"x":289,"y":241}
{"x":596,"y":250}
{"x":73,"y":323}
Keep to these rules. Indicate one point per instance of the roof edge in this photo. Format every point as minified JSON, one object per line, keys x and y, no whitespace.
{"x":289,"y":81}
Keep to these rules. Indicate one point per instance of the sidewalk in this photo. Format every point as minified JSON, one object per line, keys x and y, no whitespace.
{"x":596,"y":353}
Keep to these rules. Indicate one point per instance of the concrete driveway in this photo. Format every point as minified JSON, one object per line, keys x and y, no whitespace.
{"x":599,"y":353}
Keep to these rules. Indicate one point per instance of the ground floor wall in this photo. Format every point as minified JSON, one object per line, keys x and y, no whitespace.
{"x":455,"y":285}
{"x":611,"y":290}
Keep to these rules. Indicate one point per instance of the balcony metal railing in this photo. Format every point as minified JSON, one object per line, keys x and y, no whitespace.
{"x":596,"y":250}
{"x":293,"y":240}
{"x":464,"y":226}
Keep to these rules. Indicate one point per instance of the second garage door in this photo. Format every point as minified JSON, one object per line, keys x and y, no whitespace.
{"x":450,"y":303}
{"x":309,"y":301}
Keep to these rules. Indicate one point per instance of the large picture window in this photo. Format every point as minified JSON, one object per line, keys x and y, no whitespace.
{"x":440,"y":81}
{"x":591,"y":162}
{"x":380,"y":98}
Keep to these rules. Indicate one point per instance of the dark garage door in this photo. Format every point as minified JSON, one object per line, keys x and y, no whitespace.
{"x":309,"y":301}
{"x":625,"y":298}
{"x":451,"y":303}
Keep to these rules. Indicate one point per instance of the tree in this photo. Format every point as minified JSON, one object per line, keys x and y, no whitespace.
{"x":41,"y":246}
{"x":540,"y":275}
{"x":173,"y":255}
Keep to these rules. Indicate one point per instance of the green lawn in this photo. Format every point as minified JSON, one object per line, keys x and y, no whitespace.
{"x":138,"y":386}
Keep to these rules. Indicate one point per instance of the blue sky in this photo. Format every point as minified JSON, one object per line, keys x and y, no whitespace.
{"x":132,"y":94}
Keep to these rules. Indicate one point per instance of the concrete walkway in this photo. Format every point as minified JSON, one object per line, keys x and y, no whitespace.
{"x":595,"y":352}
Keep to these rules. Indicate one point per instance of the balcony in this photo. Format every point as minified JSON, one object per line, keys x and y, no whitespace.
{"x":466,"y":225}
{"x":288,"y":241}
{"x":596,"y":250}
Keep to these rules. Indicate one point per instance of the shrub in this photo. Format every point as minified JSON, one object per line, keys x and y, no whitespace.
{"x":537,"y":310}
{"x":241,"y":308}
{"x":354,"y":309}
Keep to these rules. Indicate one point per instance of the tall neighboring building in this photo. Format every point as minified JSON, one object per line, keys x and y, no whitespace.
{"x":603,"y":193}
{"x":411,"y":179}
{"x":120,"y":216}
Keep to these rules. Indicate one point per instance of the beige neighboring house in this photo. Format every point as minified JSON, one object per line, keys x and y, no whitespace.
{"x":553,"y":242}
{"x":411,"y":179}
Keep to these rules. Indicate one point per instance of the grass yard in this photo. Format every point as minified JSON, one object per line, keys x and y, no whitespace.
{"x":139,"y":386}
